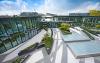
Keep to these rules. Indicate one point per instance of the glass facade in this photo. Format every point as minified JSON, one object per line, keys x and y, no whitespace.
{"x":14,"y":31}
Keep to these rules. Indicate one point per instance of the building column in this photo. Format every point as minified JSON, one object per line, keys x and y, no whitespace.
{"x":82,"y":60}
{"x":89,"y":60}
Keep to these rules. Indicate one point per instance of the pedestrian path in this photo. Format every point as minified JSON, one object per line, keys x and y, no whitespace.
{"x":59,"y":52}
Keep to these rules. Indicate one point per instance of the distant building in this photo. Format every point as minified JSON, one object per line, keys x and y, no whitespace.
{"x":48,"y":17}
{"x":78,"y":14}
{"x":29,"y":14}
{"x":4,"y":16}
{"x":51,"y":14}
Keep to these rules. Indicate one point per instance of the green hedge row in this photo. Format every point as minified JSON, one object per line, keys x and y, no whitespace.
{"x":48,"y":41}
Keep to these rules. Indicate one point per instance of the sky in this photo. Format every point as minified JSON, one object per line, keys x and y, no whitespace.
{"x":60,"y":7}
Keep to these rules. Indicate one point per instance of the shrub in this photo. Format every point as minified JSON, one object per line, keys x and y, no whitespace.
{"x":64,"y":26}
{"x":97,"y":26}
{"x":47,"y":40}
{"x":28,"y":49}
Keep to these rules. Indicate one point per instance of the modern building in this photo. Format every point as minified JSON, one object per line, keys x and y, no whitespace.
{"x":78,"y":14}
{"x":29,"y":14}
{"x":15,"y":31}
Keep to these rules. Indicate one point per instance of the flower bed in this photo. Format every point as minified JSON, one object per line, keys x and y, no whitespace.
{"x":28,"y":49}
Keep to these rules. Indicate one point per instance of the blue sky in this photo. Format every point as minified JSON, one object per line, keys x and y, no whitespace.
{"x":11,"y":7}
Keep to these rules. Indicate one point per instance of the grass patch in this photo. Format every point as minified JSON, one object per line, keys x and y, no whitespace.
{"x":47,"y":40}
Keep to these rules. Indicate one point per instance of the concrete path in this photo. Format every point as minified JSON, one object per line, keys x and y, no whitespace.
{"x":59,"y":50}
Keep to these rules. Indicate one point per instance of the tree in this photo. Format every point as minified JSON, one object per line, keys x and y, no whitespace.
{"x":98,"y":26}
{"x":64,"y":26}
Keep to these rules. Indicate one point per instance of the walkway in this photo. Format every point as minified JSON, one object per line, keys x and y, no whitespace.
{"x":14,"y":54}
{"x":59,"y":52}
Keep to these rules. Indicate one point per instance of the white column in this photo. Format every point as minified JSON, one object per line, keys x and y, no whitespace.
{"x":82,"y":60}
{"x":89,"y":60}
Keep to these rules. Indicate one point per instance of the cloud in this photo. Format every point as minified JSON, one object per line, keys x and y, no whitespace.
{"x":85,"y":7}
{"x":8,"y":8}
{"x":8,"y":5}
{"x":53,"y":6}
{"x":24,"y":7}
{"x":13,"y":7}
{"x":63,"y":7}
